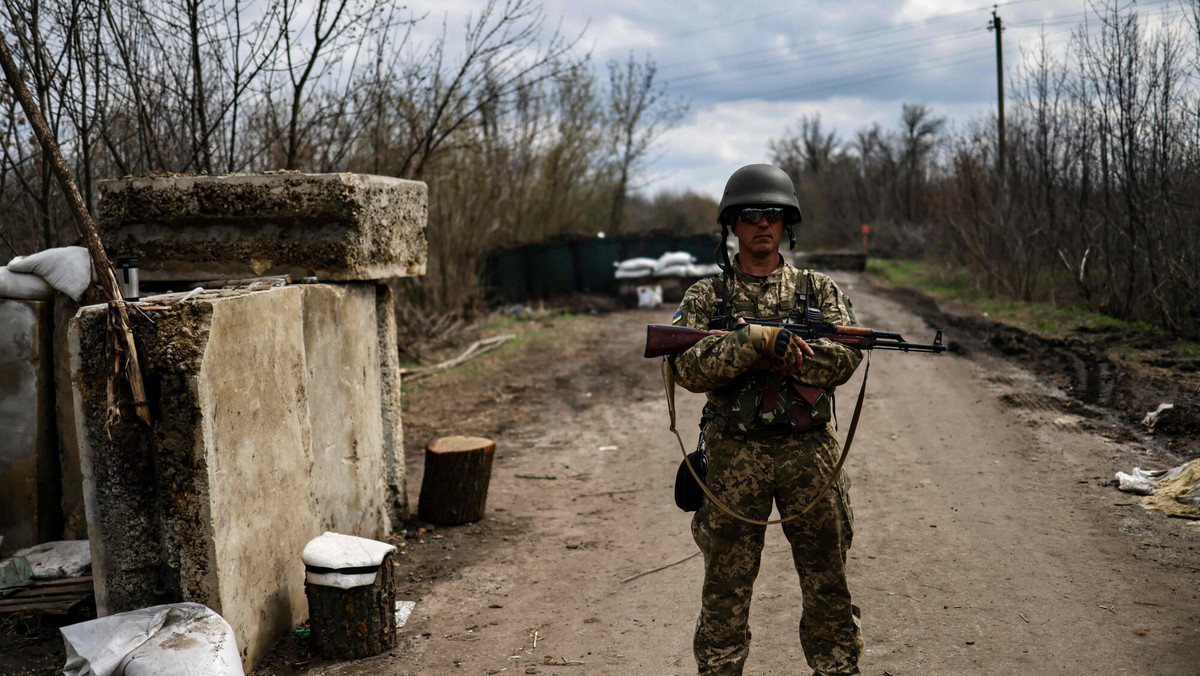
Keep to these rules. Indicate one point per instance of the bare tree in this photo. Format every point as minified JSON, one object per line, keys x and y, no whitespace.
{"x":639,"y":110}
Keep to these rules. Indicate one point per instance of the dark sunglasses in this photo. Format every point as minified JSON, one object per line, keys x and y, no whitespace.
{"x":753,"y":216}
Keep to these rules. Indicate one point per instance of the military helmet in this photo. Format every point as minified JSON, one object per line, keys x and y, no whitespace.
{"x":759,"y":185}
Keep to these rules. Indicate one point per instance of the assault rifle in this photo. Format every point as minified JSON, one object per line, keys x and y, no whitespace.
{"x":664,"y":339}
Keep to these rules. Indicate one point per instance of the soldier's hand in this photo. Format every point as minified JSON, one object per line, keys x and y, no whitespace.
{"x":784,"y":350}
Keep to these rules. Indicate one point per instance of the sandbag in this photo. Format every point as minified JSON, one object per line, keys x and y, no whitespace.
{"x":24,"y":287}
{"x":672,"y":259}
{"x":678,"y":270}
{"x":630,"y":264}
{"x":177,"y":639}
{"x":633,"y":274}
{"x":68,"y":269}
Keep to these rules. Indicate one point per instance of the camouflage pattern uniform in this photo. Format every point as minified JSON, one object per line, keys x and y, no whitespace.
{"x":756,"y":457}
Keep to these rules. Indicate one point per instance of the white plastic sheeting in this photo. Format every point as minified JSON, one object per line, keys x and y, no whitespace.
{"x":178,"y":639}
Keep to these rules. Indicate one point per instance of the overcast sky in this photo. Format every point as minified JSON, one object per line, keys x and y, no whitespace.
{"x":750,"y":73}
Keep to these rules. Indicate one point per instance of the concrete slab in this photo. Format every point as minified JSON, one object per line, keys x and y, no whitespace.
{"x":342,"y":361}
{"x":29,"y":484}
{"x":269,"y":429}
{"x":336,"y":226}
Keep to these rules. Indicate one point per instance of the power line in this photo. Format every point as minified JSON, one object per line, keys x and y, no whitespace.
{"x":853,"y":36}
{"x":962,"y":57}
{"x":827,"y":46}
{"x":836,"y":60}
{"x":851,"y":58}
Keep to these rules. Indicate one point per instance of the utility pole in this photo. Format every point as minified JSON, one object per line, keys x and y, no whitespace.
{"x":995,"y":25}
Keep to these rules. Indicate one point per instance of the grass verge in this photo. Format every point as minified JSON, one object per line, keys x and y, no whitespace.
{"x":1114,"y":337}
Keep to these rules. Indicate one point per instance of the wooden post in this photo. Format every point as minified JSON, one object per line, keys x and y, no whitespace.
{"x":457,"y":473}
{"x":349,"y":624}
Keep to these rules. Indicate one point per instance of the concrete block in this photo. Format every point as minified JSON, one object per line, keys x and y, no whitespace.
{"x":389,"y":381}
{"x":342,"y":359}
{"x":268,"y":429}
{"x":29,"y":476}
{"x":336,"y":226}
{"x":74,"y":523}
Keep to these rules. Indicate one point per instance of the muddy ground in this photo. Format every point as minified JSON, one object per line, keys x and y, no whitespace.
{"x":989,"y":539}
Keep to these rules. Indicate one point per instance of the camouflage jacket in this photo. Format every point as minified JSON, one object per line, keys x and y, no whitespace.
{"x":739,"y":394}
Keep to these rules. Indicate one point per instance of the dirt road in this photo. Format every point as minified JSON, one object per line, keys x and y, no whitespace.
{"x":985,"y":542}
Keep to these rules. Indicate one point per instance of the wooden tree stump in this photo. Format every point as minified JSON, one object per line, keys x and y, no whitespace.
{"x":457,"y":472}
{"x":348,"y":624}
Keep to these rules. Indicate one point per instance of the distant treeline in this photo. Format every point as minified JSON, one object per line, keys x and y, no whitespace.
{"x":517,"y":133}
{"x":1098,"y":203}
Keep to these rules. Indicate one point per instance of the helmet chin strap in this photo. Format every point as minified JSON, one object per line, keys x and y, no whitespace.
{"x":726,"y":265}
{"x":722,"y":251}
{"x":791,"y":239}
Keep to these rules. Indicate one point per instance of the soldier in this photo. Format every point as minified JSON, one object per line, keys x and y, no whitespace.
{"x":766,"y":429}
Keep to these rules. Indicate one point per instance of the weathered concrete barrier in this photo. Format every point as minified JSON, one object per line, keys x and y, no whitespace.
{"x":335,"y":226}
{"x":276,"y":411}
{"x":270,"y":415}
{"x":29,"y":487}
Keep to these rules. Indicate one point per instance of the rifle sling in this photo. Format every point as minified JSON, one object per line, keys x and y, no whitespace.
{"x":669,"y":385}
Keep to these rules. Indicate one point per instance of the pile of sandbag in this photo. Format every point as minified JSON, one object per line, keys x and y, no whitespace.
{"x":39,"y":276}
{"x":670,"y":264}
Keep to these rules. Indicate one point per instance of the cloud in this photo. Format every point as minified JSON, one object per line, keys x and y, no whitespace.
{"x":716,"y":139}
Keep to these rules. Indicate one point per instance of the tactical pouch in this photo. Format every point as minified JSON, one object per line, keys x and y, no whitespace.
{"x":688,"y":494}
{"x":813,"y":410}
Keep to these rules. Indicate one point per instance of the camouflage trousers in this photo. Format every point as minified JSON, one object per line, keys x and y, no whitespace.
{"x":749,"y":472}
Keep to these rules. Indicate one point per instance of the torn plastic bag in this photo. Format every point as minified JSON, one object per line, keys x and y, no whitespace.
{"x":177,"y":639}
{"x":1140,"y":480}
{"x":1175,"y":492}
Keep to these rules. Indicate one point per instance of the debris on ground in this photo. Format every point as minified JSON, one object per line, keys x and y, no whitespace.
{"x":477,"y":348}
{"x":403,"y":610}
{"x":650,"y":296}
{"x":177,"y":639}
{"x":59,"y":559}
{"x":1151,"y":418}
{"x":1175,"y":492}
{"x":15,"y":572}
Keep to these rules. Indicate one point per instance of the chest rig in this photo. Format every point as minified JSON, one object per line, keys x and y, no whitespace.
{"x":760,"y":400}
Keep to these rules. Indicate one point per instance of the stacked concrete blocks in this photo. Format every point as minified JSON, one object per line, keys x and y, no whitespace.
{"x":276,"y":411}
